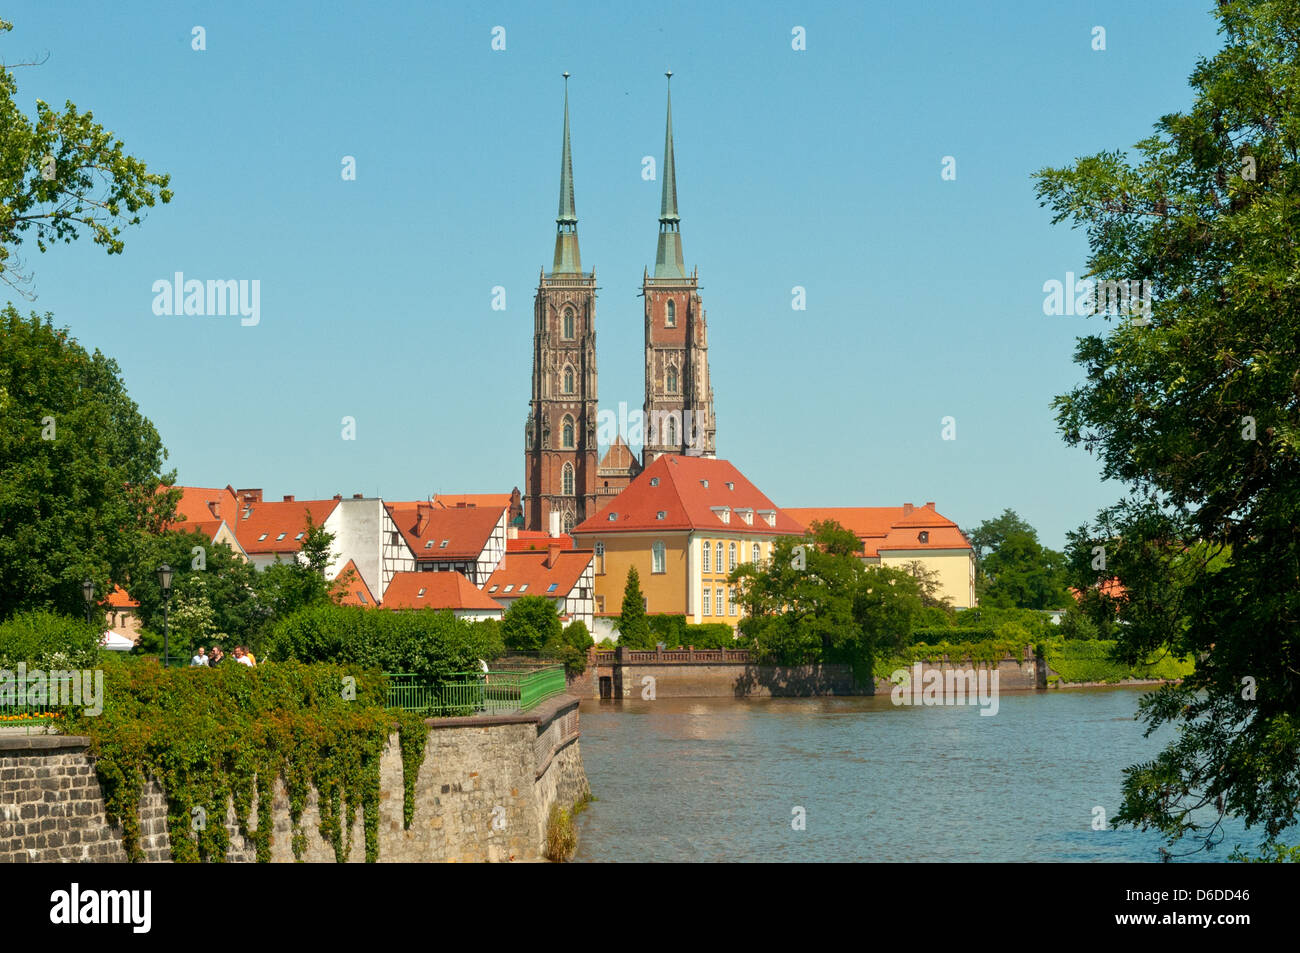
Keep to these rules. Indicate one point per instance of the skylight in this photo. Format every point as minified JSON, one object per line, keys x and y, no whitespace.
{"x":444,"y":544}
{"x":524,"y":587}
{"x":299,"y":536}
{"x":509,"y":587}
{"x":362,"y":596}
{"x":420,"y":594}
{"x":492,"y":589}
{"x":262,"y":537}
{"x":552,"y":587}
{"x":280,"y":537}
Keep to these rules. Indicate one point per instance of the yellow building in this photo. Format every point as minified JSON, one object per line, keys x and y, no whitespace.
{"x":894,"y":536}
{"x":684,"y":523}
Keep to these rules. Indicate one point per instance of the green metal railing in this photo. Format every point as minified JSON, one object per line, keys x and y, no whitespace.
{"x":23,"y":714}
{"x":475,"y":693}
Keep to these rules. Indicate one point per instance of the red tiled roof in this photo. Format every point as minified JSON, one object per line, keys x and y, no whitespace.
{"x":355,"y":590}
{"x":1112,"y":588}
{"x":271,"y":519}
{"x":441,"y":590}
{"x":119,"y":599}
{"x":204,"y":505}
{"x":675,"y":486}
{"x":617,"y":457}
{"x":530,"y":539}
{"x":466,"y":529}
{"x":889,"y":528}
{"x":529,"y":575}
{"x":449,"y":501}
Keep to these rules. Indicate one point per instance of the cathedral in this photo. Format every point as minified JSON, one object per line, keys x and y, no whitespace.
{"x":564,"y":484}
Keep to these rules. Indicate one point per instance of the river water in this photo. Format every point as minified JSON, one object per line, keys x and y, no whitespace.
{"x":723,"y":780}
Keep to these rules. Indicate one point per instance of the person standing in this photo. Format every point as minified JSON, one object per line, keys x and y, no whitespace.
{"x":200,"y":658}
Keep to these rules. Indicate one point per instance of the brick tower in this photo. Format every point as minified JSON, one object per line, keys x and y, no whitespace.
{"x":560,"y":434}
{"x":678,"y":395}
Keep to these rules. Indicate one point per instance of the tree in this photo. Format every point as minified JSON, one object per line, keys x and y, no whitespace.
{"x":1014,"y":570}
{"x":79,"y":470}
{"x":63,"y":172}
{"x":571,"y":647}
{"x":1193,"y":408}
{"x":929,"y":585}
{"x":285,"y":587}
{"x":633,"y":629}
{"x":531,"y":623}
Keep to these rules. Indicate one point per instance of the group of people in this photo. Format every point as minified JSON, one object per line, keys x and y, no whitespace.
{"x":239,"y":654}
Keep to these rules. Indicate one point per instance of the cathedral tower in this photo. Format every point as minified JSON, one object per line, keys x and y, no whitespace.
{"x":678,"y":394}
{"x":560,"y":434}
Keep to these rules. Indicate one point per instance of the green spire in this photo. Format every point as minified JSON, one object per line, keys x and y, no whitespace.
{"x":567,"y":259}
{"x":668,"y":258}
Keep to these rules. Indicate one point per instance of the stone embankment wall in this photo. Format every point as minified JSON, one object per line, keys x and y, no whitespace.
{"x":484,"y":793}
{"x":717,"y":674}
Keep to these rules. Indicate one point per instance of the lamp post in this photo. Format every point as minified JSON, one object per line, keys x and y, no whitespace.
{"x":88,"y":591}
{"x":165,"y":584}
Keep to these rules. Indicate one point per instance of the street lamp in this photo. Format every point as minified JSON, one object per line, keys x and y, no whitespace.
{"x":88,"y":591}
{"x":165,"y":584}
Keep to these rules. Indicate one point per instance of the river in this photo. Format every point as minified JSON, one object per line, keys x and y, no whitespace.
{"x":726,"y":780}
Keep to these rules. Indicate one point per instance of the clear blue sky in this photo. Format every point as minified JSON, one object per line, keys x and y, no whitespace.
{"x":818,"y":168}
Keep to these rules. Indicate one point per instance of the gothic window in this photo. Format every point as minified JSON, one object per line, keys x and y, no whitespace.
{"x":566,"y":479}
{"x":672,"y":314}
{"x":660,"y":557}
{"x":566,"y":439}
{"x":568,"y":522}
{"x":568,"y":380}
{"x":568,"y":324}
{"x":672,"y":432}
{"x":672,"y":380}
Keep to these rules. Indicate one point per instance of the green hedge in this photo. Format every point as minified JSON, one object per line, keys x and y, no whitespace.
{"x":1093,"y":661}
{"x":676,"y":633}
{"x":934,"y":634}
{"x":212,"y":735}
{"x":435,"y":645}
{"x":988,"y":650}
{"x":47,"y":640}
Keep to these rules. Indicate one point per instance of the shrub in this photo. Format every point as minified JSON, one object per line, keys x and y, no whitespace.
{"x":561,"y":836}
{"x":47,"y":640}
{"x":571,"y":648}
{"x":433,"y":644}
{"x":1095,"y":661}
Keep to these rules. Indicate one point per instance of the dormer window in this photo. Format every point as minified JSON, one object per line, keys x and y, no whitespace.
{"x":730,"y":485}
{"x":923,"y":536}
{"x":769,"y":516}
{"x":705,"y":484}
{"x":661,"y":515}
{"x":654,"y":481}
{"x":722,"y":512}
{"x":612,"y":517}
{"x":420,"y":594}
{"x":747,"y":515}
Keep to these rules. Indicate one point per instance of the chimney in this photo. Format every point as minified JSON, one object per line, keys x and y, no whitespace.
{"x":907,"y":509}
{"x":553,"y":553}
{"x":288,"y":499}
{"x":930,"y":505}
{"x":338,"y":496}
{"x":421,"y":519}
{"x":357,"y":496}
{"x":250,"y":496}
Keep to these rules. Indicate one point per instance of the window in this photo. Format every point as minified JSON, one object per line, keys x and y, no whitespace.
{"x":708,"y":566}
{"x":298,"y":537}
{"x":420,"y":594}
{"x":361,"y":597}
{"x":566,"y":440}
{"x":568,"y":323}
{"x":717,"y":599}
{"x":508,"y":588}
{"x":280,"y":537}
{"x":924,"y":536}
{"x":492,"y":588}
{"x":566,"y":480}
{"x":731,"y":601}
{"x":730,"y":485}
{"x":672,"y":380}
{"x":612,"y":517}
{"x":672,"y":431}
{"x":429,"y":545}
{"x":568,"y":380}
{"x":654,"y":481}
{"x":719,"y":555}
{"x":524,"y":587}
{"x":705,"y":484}
{"x":731,"y":556}
{"x":551,"y":588}
{"x":443,"y":544}
{"x":756,"y":554}
{"x":708,"y":603}
{"x":660,"y":556}
{"x":600,"y":558}
{"x":672,"y":314}
{"x":262,"y":537}
{"x":662,"y":514}
{"x":568,"y":522}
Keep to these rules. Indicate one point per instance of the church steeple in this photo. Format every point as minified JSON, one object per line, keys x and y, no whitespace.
{"x":668,"y":258}
{"x":567,"y":259}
